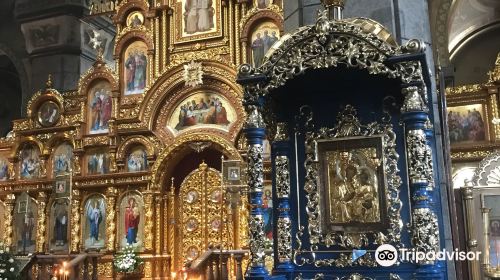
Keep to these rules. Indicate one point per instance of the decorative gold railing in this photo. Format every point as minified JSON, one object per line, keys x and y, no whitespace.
{"x":216,"y":264}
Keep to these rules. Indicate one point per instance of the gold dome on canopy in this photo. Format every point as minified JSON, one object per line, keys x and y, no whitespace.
{"x":371,"y":26}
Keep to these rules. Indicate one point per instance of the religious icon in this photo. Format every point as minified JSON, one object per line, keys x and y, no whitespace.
{"x":30,"y":162}
{"x":25,"y":225}
{"x":216,"y":196}
{"x":98,"y":162}
{"x":466,"y":123}
{"x":192,"y":253}
{"x":135,"y":72}
{"x":133,"y":224}
{"x":215,"y":224}
{"x":95,"y":210}
{"x":267,"y":209}
{"x":191,"y":224}
{"x":48,"y":113}
{"x":137,"y":160}
{"x":60,"y":186}
{"x":100,"y":107}
{"x":202,"y":109}
{"x":234,"y":173}
{"x":353,"y":183}
{"x":198,"y":16}
{"x":4,"y":169}
{"x":135,"y":19}
{"x":191,"y":196}
{"x":264,"y":36}
{"x":353,"y":188}
{"x":63,"y":156}
{"x":60,"y":225}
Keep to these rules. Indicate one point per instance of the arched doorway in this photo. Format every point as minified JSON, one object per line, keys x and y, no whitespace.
{"x":197,"y":215}
{"x":203,"y":220}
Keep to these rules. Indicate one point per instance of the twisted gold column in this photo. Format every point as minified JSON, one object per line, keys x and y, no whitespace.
{"x":111,"y":194}
{"x":40,"y":235}
{"x":9,"y":209}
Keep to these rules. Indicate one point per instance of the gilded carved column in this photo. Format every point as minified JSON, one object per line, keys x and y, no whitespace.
{"x":111,"y":194}
{"x":40,"y":234}
{"x":43,"y":162}
{"x":75,"y":220}
{"x":158,"y":220}
{"x":148,"y":223}
{"x":171,"y":225}
{"x":10,"y":202}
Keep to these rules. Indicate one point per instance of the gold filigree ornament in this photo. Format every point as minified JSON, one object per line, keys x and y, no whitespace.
{"x":494,"y":75}
{"x":193,"y":74}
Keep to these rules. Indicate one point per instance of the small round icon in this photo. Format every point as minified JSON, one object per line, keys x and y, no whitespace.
{"x":386,"y":255}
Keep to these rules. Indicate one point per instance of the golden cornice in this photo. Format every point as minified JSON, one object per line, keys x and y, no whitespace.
{"x":52,"y":140}
{"x":470,"y":155}
{"x":103,"y":140}
{"x":127,"y":144}
{"x":40,"y":96}
{"x":462,"y":90}
{"x":170,"y":151}
{"x":136,"y":3}
{"x":98,"y":70}
{"x":131,"y":127}
{"x":7,"y":141}
{"x":254,"y":11}
{"x":214,"y":54}
{"x":116,"y":180}
{"x":130,"y":32}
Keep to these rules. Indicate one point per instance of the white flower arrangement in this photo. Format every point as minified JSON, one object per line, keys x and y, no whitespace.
{"x":127,"y":261}
{"x":9,"y":268}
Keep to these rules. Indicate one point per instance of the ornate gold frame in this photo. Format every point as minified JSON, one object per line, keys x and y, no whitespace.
{"x":487,"y":94}
{"x":179,"y":14}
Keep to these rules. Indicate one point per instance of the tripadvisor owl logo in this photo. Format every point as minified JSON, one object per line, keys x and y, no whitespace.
{"x":386,"y":255}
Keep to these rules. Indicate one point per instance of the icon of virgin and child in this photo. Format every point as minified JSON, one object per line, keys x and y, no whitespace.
{"x":353,"y":189}
{"x":202,"y":110}
{"x":132,"y":221}
{"x":198,"y":16}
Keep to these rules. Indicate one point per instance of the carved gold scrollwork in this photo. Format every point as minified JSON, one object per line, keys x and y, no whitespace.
{"x":148,"y":226}
{"x":111,"y":194}
{"x":158,"y":203}
{"x":40,"y":238}
{"x":9,"y":209}
{"x":75,"y":220}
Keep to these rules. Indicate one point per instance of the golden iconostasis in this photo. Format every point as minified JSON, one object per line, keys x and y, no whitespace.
{"x":91,"y":169}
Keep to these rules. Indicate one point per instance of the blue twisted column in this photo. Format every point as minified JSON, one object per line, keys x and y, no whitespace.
{"x":255,"y":134}
{"x":424,"y":229}
{"x":281,"y":163}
